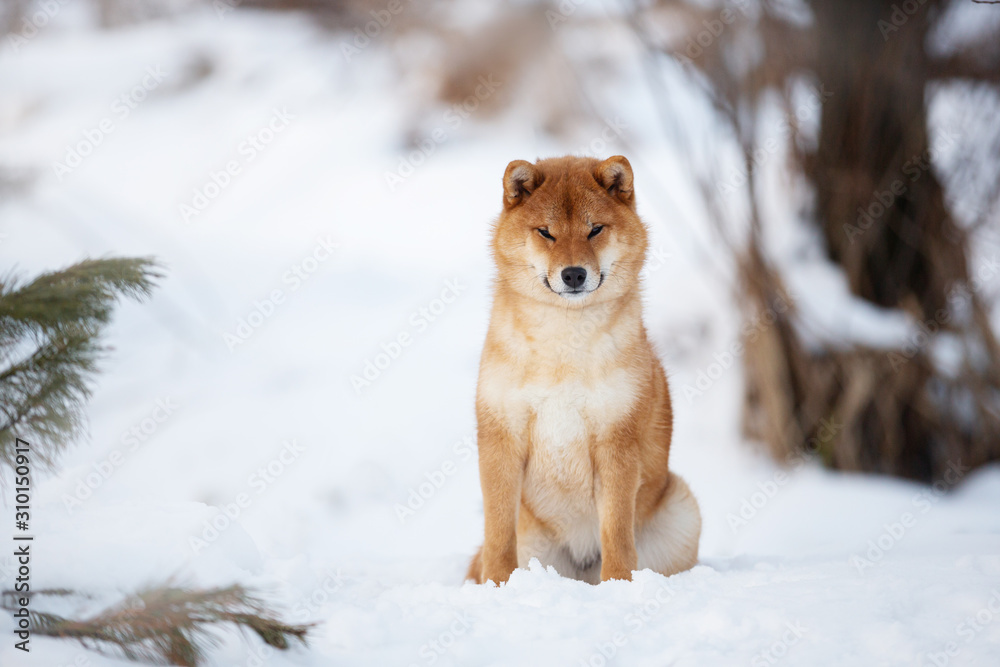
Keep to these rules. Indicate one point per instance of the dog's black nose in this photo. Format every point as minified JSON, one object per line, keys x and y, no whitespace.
{"x":574,"y":276}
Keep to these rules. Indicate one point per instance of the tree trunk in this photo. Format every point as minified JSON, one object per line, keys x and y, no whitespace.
{"x":884,"y":219}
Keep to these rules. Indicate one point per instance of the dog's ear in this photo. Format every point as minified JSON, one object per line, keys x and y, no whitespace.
{"x":615,"y":176}
{"x":519,"y":181}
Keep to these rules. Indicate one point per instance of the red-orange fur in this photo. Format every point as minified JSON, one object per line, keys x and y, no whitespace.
{"x":573,"y":406}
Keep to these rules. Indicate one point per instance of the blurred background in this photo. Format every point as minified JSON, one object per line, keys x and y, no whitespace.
{"x":318,"y":179}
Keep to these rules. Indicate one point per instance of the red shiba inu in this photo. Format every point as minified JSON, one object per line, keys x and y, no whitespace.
{"x":573,"y":407}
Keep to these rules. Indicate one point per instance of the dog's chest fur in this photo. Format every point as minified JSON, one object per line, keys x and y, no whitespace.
{"x":559,"y":422}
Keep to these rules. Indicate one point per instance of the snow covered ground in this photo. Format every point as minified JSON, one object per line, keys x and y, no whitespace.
{"x":251,"y":159}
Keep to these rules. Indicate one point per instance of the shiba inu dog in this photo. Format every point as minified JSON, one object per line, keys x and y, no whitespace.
{"x":572,"y":404}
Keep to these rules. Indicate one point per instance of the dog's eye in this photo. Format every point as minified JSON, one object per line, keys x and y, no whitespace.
{"x":595,"y":231}
{"x":544,"y":232}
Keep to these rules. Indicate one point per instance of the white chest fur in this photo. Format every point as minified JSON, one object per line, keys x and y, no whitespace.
{"x":561,"y":414}
{"x":558,"y":424}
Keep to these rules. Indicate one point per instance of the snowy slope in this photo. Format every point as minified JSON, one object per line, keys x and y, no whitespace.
{"x":235,"y":382}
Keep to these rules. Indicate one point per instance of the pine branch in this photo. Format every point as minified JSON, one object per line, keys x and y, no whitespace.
{"x":168,"y":625}
{"x":82,"y":294}
{"x":44,"y":395}
{"x":49,"y":332}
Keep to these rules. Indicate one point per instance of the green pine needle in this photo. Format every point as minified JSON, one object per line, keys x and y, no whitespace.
{"x":49,"y":347}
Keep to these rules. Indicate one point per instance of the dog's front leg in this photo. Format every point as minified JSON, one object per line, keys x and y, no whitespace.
{"x":501,"y":468}
{"x":618,"y":473}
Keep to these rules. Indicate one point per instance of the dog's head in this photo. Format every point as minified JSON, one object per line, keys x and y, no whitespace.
{"x":569,"y":234}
